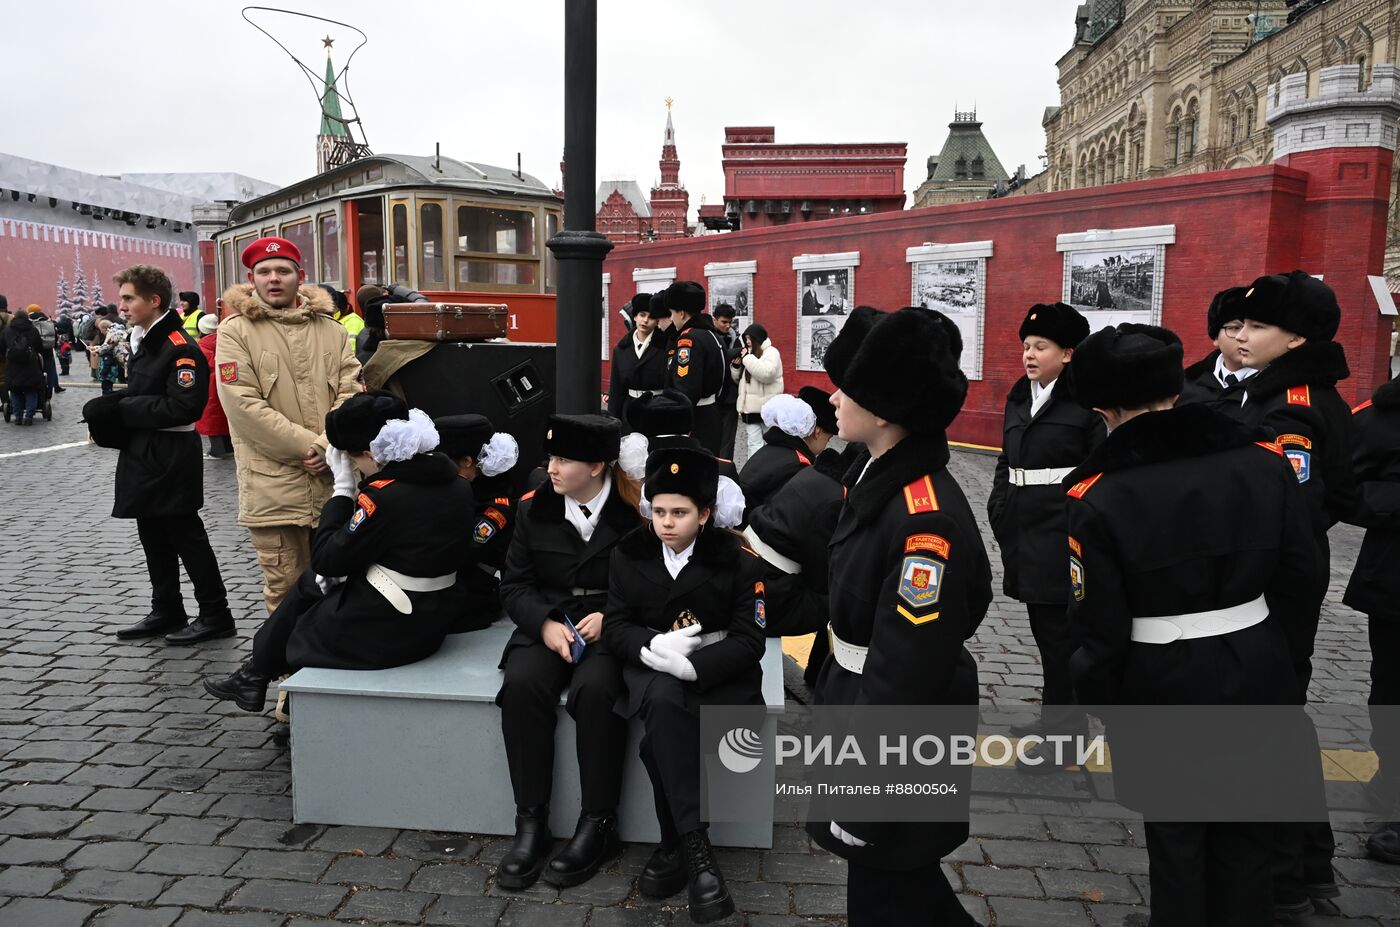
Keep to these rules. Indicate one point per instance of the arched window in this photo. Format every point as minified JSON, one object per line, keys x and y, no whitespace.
{"x":1193,"y":122}
{"x":1362,"y":81}
{"x":1234,"y":128}
{"x":1174,"y":138}
{"x":1248,"y":121}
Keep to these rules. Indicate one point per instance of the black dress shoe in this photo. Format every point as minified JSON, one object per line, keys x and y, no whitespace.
{"x":204,"y":628}
{"x":245,"y":688}
{"x":1384,"y":844}
{"x":155,"y":623}
{"x":521,"y":866}
{"x":664,"y":874}
{"x":709,"y":896}
{"x":594,"y":842}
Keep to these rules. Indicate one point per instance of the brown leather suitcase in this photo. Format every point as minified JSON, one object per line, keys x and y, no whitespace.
{"x":445,"y":321}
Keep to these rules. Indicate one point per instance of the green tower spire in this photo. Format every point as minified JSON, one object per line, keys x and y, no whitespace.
{"x":330,"y":104}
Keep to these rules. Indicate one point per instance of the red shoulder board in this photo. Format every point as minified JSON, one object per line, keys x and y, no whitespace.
{"x":503,"y":501}
{"x":380,"y":484}
{"x":528,"y":495}
{"x":1299,"y":396}
{"x":1364,"y":405}
{"x":806,"y":462}
{"x":919,"y":496}
{"x":1078,"y":490}
{"x":1271,"y":446}
{"x":177,"y":339}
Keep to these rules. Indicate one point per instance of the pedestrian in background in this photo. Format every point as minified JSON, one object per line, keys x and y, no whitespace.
{"x":24,"y":371}
{"x":732,"y":341}
{"x":48,"y":339}
{"x":213,"y":424}
{"x":759,"y":372}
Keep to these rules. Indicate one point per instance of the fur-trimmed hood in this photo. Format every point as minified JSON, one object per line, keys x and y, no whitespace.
{"x":1171,"y":434}
{"x":1314,"y":363}
{"x":715,"y":547}
{"x":311,"y":301}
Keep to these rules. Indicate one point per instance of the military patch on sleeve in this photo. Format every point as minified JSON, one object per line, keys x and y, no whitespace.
{"x":933,"y":543}
{"x":495,"y":517}
{"x":1302,"y":463}
{"x":684,"y":343}
{"x":503,"y":501}
{"x":920,"y":497}
{"x":366,"y":503}
{"x":185,"y":377}
{"x":1076,"y":578}
{"x":683,"y":357}
{"x":1078,"y":490}
{"x":760,"y":610}
{"x":177,"y":339}
{"x":1299,"y":396}
{"x":185,"y":362}
{"x":357,"y":519}
{"x":484,"y":531}
{"x":682,"y":371}
{"x":1075,"y":546}
{"x":1270,"y":446}
{"x":228,"y":373}
{"x":1364,"y":405}
{"x":920,"y":579}
{"x":1299,"y":440}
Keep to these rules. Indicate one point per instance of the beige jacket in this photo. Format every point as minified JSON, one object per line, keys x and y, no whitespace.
{"x":279,"y":372}
{"x":764,"y":380}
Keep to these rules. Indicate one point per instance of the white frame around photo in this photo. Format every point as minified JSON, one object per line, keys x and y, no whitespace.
{"x":971,"y":320}
{"x":607,"y":336}
{"x":803,"y":263}
{"x":732,"y":269}
{"x":1079,"y":246}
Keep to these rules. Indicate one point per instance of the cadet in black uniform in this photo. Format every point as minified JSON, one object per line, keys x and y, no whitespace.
{"x":686,"y":614}
{"x":160,"y":470}
{"x":1289,"y":323}
{"x":1218,"y":378}
{"x":1148,"y":554}
{"x":1046,"y":433}
{"x":909,"y":584}
{"x":696,"y":365}
{"x":485,"y":458}
{"x":638,"y":360}
{"x":662,"y":419}
{"x":794,"y":437}
{"x":557,"y":569}
{"x":1374,"y":591}
{"x":384,"y":559}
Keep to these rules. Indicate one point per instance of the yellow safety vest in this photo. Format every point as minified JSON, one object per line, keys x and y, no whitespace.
{"x":191,"y":324}
{"x":353,"y":324}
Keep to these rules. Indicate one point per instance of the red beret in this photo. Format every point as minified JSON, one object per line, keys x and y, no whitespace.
{"x":264,"y":248}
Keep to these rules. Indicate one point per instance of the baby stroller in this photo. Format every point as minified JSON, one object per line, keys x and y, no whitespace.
{"x":45,"y":397}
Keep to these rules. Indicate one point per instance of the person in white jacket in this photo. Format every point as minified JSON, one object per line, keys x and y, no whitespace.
{"x":759,"y":372}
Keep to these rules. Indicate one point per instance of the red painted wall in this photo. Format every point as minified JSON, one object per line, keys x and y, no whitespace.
{"x":1324,"y":212}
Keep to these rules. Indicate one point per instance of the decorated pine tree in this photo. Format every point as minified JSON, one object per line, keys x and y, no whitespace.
{"x":63,"y":302}
{"x":98,"y":300}
{"x":80,"y":287}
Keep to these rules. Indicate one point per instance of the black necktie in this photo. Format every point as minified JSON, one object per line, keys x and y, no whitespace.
{"x":1231,"y":380}
{"x":584,"y":510}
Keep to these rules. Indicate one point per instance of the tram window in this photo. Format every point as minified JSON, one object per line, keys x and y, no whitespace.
{"x":401,"y":242}
{"x":230,"y":278}
{"x":495,"y":231}
{"x":330,"y":247}
{"x":238,"y":245}
{"x":503,"y":273}
{"x":551,"y":225}
{"x":430,"y":247}
{"x":300,"y":234}
{"x":371,"y":240}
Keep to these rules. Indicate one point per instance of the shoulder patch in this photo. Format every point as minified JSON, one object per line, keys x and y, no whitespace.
{"x":185,"y":362}
{"x":184,"y":376}
{"x":380,"y":484}
{"x":1302,"y":463}
{"x":684,"y":343}
{"x":933,"y":543}
{"x":1299,"y":396}
{"x":804,"y":459}
{"x":760,"y":609}
{"x":528,"y":495}
{"x":1270,"y":446}
{"x":1364,"y":405}
{"x":1075,"y":546}
{"x":1078,"y":490}
{"x":495,"y":517}
{"x":228,"y":373}
{"x":484,"y":531}
{"x":920,"y":579}
{"x":177,"y":339}
{"x":920,"y":497}
{"x":503,"y":501}
{"x":1294,"y":439}
{"x":1076,"y":578}
{"x":366,"y":503}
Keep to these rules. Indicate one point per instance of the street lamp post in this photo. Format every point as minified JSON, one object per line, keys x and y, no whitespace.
{"x":579,"y":249}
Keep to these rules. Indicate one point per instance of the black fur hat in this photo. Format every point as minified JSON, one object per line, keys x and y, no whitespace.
{"x":357,"y":421}
{"x":659,"y":309}
{"x":904,"y":371}
{"x":338,"y":298}
{"x":463,"y":435}
{"x":950,"y":328}
{"x":1060,"y":323}
{"x":191,"y":297}
{"x":104,"y":422}
{"x":686,"y":296}
{"x":820,"y":402}
{"x":641,"y":303}
{"x":1227,"y":306}
{"x":684,"y":471}
{"x":587,"y":438}
{"x":1127,"y":367}
{"x":843,"y":348}
{"x":1297,"y":302}
{"x":665,"y":412}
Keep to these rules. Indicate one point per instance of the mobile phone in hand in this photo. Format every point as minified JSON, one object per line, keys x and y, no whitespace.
{"x":575,"y":648}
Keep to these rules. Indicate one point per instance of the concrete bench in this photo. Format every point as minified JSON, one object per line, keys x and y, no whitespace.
{"x":420,"y":747}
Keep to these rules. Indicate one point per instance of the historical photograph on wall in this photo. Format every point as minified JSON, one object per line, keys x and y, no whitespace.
{"x":737,"y":291}
{"x":824,"y":298}
{"x":956,"y":289}
{"x":607,"y":338}
{"x":1113,"y":286}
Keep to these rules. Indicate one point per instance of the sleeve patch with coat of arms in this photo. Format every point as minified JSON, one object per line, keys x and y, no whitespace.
{"x":228,"y":373}
{"x":920,"y":579}
{"x":185,"y":377}
{"x":1076,"y":578}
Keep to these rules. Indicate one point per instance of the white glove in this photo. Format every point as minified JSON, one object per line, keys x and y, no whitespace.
{"x":327,"y":583}
{"x":682,"y":642}
{"x":850,"y":840}
{"x":672,"y":664}
{"x":342,"y":472}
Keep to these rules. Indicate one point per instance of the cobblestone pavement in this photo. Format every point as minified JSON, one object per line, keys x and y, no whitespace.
{"x":128,"y":798}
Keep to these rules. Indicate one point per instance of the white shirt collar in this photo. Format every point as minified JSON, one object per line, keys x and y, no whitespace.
{"x":1041,"y":395}
{"x":639,"y":344}
{"x":138,"y":333}
{"x":574,"y":513}
{"x":1244,"y":373}
{"x":675,"y":562}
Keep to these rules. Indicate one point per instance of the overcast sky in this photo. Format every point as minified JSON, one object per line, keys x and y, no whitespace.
{"x":161,"y":85}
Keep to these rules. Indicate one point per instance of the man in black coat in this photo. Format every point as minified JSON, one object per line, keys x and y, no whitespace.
{"x":733,"y":344}
{"x":696,"y":365}
{"x":799,"y":428}
{"x":1218,"y":378}
{"x":638,"y":360}
{"x":909,"y":584}
{"x":160,"y":470}
{"x":1174,"y":604}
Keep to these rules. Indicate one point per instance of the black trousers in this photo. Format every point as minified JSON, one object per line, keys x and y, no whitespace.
{"x":909,"y":898}
{"x":1050,"y":627}
{"x":1210,"y":875}
{"x":728,"y":426}
{"x":170,"y":540}
{"x":535,"y":677}
{"x":670,"y":749}
{"x":1385,"y":691}
{"x":269,"y":657}
{"x":705,"y":427}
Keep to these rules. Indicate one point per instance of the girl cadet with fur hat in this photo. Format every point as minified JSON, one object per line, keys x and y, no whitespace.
{"x":1045,"y":434}
{"x":639,"y":359}
{"x":484,"y":458}
{"x":686,"y":615}
{"x":554,"y":587}
{"x":380,"y":588}
{"x":909,"y":584}
{"x":1172,"y":605}
{"x":799,"y":428}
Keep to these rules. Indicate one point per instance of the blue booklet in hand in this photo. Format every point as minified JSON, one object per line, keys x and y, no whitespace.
{"x":576,"y":648}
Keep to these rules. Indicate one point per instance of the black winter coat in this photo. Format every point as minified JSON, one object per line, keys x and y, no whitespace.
{"x":1374,"y":589}
{"x":630,"y":372}
{"x":696,"y":363}
{"x":767,"y":469}
{"x":1029,"y":521}
{"x":909,"y":579}
{"x":23,"y":354}
{"x":548,"y":559}
{"x":160,"y":472}
{"x":491,"y":534}
{"x":408,"y":517}
{"x":1201,"y":387}
{"x":721,"y":585}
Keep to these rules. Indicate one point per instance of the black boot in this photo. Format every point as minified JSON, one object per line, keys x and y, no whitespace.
{"x":521,"y":866}
{"x":1384,"y":844}
{"x":204,"y":628}
{"x":664,"y":874}
{"x":709,"y":896}
{"x":157,"y":622}
{"x":595,"y":841}
{"x":246,"y":688}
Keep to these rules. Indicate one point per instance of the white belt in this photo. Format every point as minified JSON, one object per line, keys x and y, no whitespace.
{"x":1168,"y":628}
{"x":850,"y":657}
{"x":712,"y":637}
{"x":189,"y":427}
{"x":764,"y":550}
{"x":395,"y":586}
{"x":1046,"y":477}
{"x":579,"y":592}
{"x":707,"y":401}
{"x":638,"y":393}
